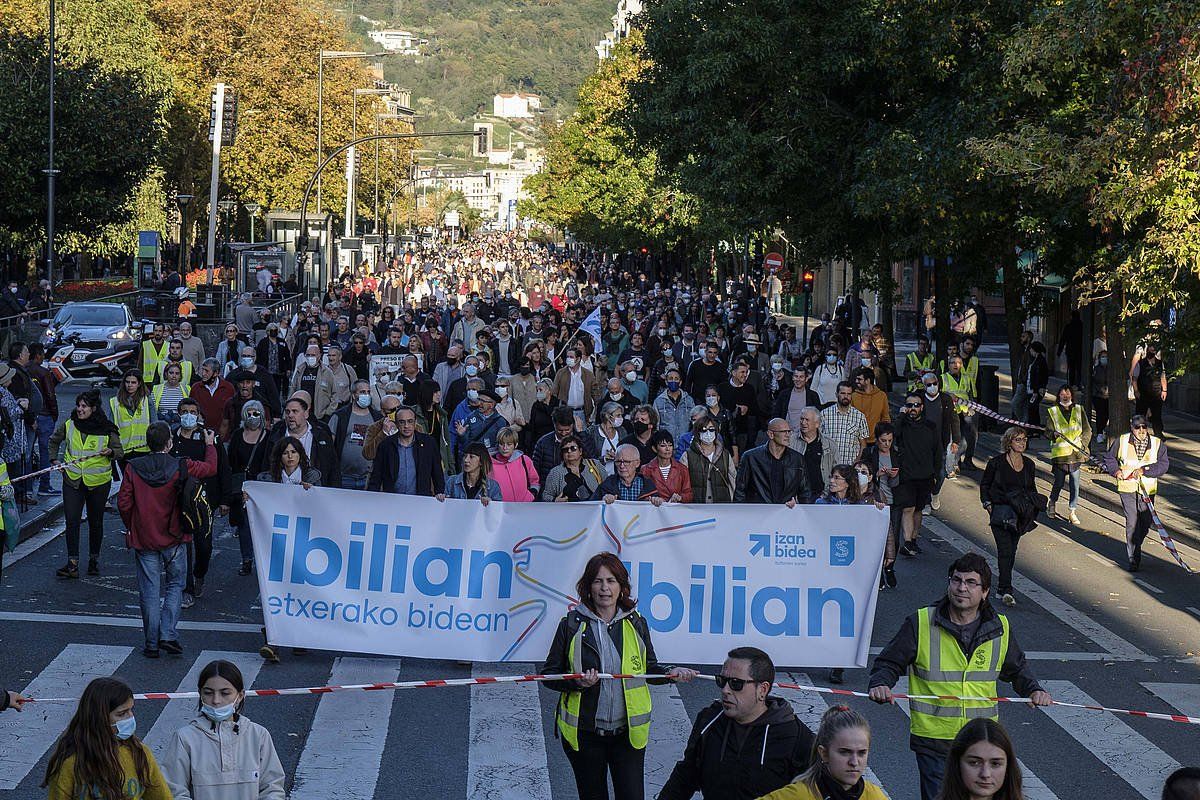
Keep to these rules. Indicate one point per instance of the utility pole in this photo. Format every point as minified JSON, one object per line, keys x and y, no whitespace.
{"x":51,"y":172}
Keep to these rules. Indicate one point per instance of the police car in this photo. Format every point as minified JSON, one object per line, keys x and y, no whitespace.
{"x":92,"y":341}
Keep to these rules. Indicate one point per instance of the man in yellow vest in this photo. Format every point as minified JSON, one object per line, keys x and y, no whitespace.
{"x":1137,"y":460}
{"x":1069,"y":432}
{"x":961,"y":388}
{"x":959,"y":647}
{"x":918,"y":363}
{"x":153,"y":351}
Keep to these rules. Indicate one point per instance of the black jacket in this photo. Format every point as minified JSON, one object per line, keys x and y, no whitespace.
{"x":283,"y":359}
{"x":754,"y":477}
{"x":894,"y":660}
{"x":322,"y":456}
{"x":216,"y":488}
{"x":779,"y":406}
{"x":431,"y":479}
{"x":339,"y":424}
{"x":920,"y":448}
{"x":557,"y":662}
{"x":775,"y":750}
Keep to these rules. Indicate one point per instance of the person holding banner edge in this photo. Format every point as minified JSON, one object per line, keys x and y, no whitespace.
{"x":605,"y":724}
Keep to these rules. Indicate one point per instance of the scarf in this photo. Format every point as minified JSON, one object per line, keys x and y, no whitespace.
{"x":832,"y":790}
{"x":97,"y":424}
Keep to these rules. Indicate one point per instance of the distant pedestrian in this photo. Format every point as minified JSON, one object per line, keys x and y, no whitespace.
{"x":1137,"y":460}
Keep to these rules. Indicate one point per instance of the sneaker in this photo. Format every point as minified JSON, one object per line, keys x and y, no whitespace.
{"x":188,"y":601}
{"x":889,"y":575}
{"x":246,"y":568}
{"x":93,"y":567}
{"x":907,"y":549}
{"x":172,"y":647}
{"x":916,"y":546}
{"x":68,"y":570}
{"x":198,"y":589}
{"x":952,"y":475}
{"x":927,"y":510}
{"x":268,"y":653}
{"x":1008,"y":599}
{"x":1052,"y":510}
{"x":936,"y":501}
{"x":1074,"y":518}
{"x":150,"y":652}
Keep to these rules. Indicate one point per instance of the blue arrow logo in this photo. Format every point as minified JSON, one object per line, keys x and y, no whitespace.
{"x":762,"y":544}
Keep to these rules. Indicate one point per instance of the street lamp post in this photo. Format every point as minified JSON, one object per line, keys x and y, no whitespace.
{"x":252,"y":209}
{"x":351,"y":162}
{"x":183,"y":201}
{"x":412,"y":118}
{"x":322,"y":57}
{"x":50,"y":171}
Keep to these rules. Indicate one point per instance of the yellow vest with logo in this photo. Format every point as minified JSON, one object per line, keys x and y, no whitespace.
{"x":971,"y":370}
{"x":941,"y":668}
{"x":959,"y":388}
{"x":132,"y":425}
{"x":1070,"y":430}
{"x":185,"y":368}
{"x":1127,"y":459}
{"x":917,"y":367}
{"x":151,"y":359}
{"x":637,"y":693}
{"x":94,"y":469}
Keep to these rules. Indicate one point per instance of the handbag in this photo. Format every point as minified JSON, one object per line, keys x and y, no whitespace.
{"x":1003,"y":516}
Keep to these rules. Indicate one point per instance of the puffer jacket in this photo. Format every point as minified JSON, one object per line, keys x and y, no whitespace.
{"x":230,"y":760}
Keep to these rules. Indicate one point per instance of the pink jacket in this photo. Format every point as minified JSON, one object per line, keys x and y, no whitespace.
{"x":519,"y":481}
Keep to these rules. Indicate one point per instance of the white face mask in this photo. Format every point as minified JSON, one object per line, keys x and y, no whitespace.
{"x":541,"y":395}
{"x":571,"y":361}
{"x":311,"y":361}
{"x":502,"y":391}
{"x":618,"y":421}
{"x":712,"y":401}
{"x":863,"y":480}
{"x":708,"y":437}
{"x":931,"y":390}
{"x":472,"y":394}
{"x":631,"y":376}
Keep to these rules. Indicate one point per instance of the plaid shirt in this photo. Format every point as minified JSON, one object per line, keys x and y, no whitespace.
{"x":635,"y":490}
{"x":847,"y":430}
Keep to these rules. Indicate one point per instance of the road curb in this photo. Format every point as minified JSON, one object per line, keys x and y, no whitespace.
{"x":35,"y":522}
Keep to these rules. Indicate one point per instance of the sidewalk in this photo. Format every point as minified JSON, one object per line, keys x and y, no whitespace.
{"x":39,"y":515}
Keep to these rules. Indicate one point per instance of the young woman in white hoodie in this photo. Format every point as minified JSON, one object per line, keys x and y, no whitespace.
{"x":219,"y":754}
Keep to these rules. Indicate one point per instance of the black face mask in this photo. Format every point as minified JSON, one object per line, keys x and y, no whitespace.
{"x":640,"y":427}
{"x":525,"y":369}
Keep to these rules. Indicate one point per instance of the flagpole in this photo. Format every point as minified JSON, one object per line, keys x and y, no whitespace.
{"x":563,"y":347}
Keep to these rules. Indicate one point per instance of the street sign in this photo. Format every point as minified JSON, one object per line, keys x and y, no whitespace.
{"x":773,"y":262}
{"x":451,"y":220}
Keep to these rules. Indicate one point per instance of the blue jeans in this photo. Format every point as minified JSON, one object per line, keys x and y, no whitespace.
{"x":159,"y":621}
{"x":932,"y":769}
{"x":45,"y":427}
{"x":351,"y":482}
{"x":1069,"y":474}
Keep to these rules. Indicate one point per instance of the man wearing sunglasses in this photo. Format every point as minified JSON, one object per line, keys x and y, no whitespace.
{"x":747,"y":743}
{"x":1137,"y":460}
{"x":920,"y":465}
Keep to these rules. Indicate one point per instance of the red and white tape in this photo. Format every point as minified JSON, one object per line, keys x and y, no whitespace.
{"x":439,"y":683}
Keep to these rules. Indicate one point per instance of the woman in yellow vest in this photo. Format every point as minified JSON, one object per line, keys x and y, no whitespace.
{"x":92,"y":442}
{"x":1069,"y":432}
{"x":605,"y":724}
{"x":839,"y":761}
{"x":130,"y":412}
{"x":1137,"y":460}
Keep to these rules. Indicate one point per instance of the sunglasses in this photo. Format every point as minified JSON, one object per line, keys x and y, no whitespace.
{"x":913,"y":405}
{"x":571,"y":449}
{"x":254,"y":414}
{"x":1140,"y":427}
{"x":737,"y":684}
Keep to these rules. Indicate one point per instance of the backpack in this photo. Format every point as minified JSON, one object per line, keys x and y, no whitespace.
{"x":195,"y":514}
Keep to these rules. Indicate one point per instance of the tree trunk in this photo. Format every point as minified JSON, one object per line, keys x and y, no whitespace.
{"x":1014,"y":309}
{"x":1119,"y":406}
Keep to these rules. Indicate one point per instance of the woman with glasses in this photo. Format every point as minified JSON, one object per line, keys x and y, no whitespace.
{"x":605,"y":723}
{"x":709,"y":463}
{"x":842,"y":488}
{"x":576,"y":478}
{"x":1009,"y":496}
{"x":244,"y":444}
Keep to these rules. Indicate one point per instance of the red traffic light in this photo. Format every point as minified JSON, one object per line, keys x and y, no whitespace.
{"x":645,"y":250}
{"x":806,"y":280}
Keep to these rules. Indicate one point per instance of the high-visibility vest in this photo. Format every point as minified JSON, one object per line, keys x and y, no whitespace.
{"x":185,"y":368}
{"x":132,"y":425}
{"x":94,"y":469}
{"x":151,"y":359}
{"x":4,"y":481}
{"x":157,"y":393}
{"x":971,"y":370}
{"x":959,"y":388}
{"x":1070,"y":432}
{"x":916,"y":367}
{"x":941,"y":668}
{"x":1127,"y":459}
{"x":637,"y":693}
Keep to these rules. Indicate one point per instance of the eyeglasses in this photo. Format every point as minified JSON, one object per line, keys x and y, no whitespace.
{"x":628,"y":461}
{"x":737,"y":684}
{"x":970,"y":583}
{"x":788,"y":431}
{"x":571,"y":449}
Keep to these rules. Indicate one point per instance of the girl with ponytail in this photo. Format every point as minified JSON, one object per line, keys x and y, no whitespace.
{"x":839,"y":762}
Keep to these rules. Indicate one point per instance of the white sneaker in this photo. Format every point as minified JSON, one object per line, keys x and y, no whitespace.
{"x":188,"y":601}
{"x":1074,"y":518}
{"x":927,"y":510}
{"x":936,"y":501}
{"x":1008,"y":600}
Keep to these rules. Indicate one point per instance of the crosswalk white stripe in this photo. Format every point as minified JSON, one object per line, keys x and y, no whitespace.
{"x":1035,"y":788}
{"x":1047,"y":600}
{"x":810,"y":706}
{"x":344,"y":750}
{"x":670,"y":727}
{"x":507,"y":745}
{"x":1119,"y":747}
{"x":176,"y":713}
{"x":1183,"y":697}
{"x":25,"y":738}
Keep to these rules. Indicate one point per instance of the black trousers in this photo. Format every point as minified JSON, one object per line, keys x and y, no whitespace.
{"x":1150,"y":404}
{"x":1006,"y":556}
{"x":601,"y":756}
{"x":1100,"y":406}
{"x":75,"y":499}
{"x":1137,"y":523}
{"x":199,"y":555}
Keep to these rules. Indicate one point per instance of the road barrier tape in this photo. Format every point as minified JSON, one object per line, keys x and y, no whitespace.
{"x":445,"y":682}
{"x":980,"y":408}
{"x":52,"y":468}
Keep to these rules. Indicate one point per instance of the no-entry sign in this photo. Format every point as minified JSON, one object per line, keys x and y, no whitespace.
{"x":773,"y":262}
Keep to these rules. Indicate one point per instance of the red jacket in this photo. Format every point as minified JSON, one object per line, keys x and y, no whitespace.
{"x":212,"y":406}
{"x":148,"y":500}
{"x":678,"y":481}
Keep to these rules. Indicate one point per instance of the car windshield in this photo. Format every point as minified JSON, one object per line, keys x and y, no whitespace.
{"x":100,"y":316}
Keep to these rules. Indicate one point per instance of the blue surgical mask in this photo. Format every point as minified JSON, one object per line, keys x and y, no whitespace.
{"x":363,"y":400}
{"x":673,"y":386}
{"x":218,"y":714}
{"x":189,"y":420}
{"x":472,"y":394}
{"x":472,"y":370}
{"x":830,"y":359}
{"x":126,"y":728}
{"x":246,"y":361}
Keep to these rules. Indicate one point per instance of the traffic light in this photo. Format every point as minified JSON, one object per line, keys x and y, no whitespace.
{"x":229,"y":106}
{"x":483,"y":139}
{"x":806,"y":281}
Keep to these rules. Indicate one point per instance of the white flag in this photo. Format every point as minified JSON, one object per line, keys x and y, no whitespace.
{"x":593,"y":326}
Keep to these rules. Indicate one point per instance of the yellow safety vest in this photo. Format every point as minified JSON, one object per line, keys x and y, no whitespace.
{"x":637,"y":693}
{"x":1070,"y":427}
{"x":132,"y":425}
{"x":941,"y":668}
{"x":4,"y":481}
{"x":185,"y":368}
{"x":971,"y":370}
{"x":1127,"y":459}
{"x":151,"y":359}
{"x":960,"y":389}
{"x":917,"y":367}
{"x":94,"y":469}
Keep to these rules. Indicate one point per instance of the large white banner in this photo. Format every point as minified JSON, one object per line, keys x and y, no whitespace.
{"x":410,"y":576}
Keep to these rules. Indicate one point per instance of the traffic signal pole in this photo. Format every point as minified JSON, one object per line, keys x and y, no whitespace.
{"x":807,"y":301}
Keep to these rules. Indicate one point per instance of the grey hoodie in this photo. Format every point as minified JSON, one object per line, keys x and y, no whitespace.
{"x":610,"y":707}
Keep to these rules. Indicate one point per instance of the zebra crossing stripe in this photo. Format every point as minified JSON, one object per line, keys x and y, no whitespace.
{"x":1035,"y":788}
{"x":22,"y":742}
{"x":670,"y":727}
{"x":1119,"y":747}
{"x":344,"y":749}
{"x":176,"y":713}
{"x":809,"y":711}
{"x":507,"y":746}
{"x":1184,"y":697}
